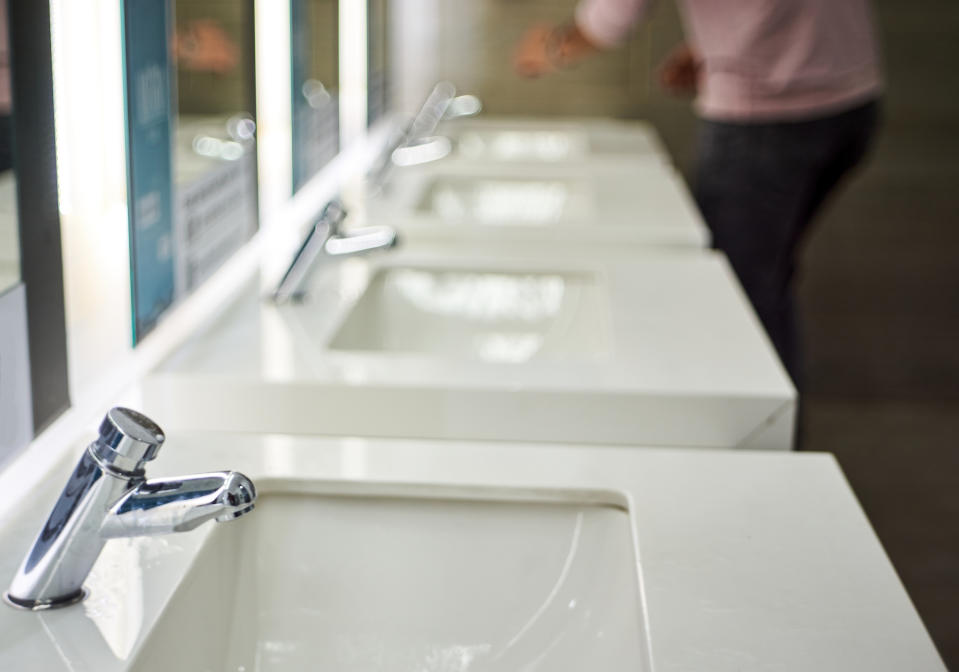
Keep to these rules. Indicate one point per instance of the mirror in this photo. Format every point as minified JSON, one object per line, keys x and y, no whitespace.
{"x":214,"y":167}
{"x":9,"y":237}
{"x":377,"y":75}
{"x":314,"y":26}
{"x":191,"y":138}
{"x":15,"y":408}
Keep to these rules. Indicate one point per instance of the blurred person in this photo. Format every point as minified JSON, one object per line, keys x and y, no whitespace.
{"x":788,"y":95}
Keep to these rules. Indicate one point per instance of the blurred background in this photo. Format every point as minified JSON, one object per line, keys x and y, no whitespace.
{"x":879,"y":283}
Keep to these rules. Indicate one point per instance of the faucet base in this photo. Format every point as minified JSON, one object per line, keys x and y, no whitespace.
{"x":43,"y":605}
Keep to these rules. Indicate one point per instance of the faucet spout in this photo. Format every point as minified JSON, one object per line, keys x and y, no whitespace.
{"x":108,"y":496}
{"x":327,"y":235}
{"x":162,"y":506}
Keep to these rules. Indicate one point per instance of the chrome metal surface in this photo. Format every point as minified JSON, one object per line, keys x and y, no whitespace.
{"x":411,"y":146}
{"x":107,"y":496}
{"x":465,"y":105}
{"x":433,"y":111}
{"x":326,"y":235}
{"x":425,"y":150}
{"x":416,"y":132}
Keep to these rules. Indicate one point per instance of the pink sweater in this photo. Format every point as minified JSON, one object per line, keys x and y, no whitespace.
{"x":763,"y":59}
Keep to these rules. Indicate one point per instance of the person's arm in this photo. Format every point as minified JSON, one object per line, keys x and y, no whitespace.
{"x":597,"y":25}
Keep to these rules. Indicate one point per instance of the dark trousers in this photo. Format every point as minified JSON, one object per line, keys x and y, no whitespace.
{"x":758,"y":186}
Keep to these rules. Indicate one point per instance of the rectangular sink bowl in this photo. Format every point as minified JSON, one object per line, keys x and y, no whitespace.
{"x":522,"y":145}
{"x":483,"y":315}
{"x":540,"y":207}
{"x":345,"y":583}
{"x":496,"y":348}
{"x":531,"y":140}
{"x":506,"y":201}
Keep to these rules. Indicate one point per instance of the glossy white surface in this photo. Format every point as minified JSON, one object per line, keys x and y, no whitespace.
{"x":542,"y":206}
{"x":747,"y":562}
{"x":508,"y":139}
{"x":202,"y":144}
{"x":490,"y":316}
{"x":657,"y":350}
{"x":361,"y":583}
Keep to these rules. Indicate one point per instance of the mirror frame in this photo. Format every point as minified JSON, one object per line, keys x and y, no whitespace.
{"x":38,"y":210}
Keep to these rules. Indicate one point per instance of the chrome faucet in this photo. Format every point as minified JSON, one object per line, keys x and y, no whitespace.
{"x":108,"y":496}
{"x":415,"y":143}
{"x":327,"y":235}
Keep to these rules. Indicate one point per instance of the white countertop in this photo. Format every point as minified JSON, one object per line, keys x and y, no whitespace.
{"x":488,"y":137}
{"x":749,"y":561}
{"x":682,"y":361}
{"x":541,"y":205}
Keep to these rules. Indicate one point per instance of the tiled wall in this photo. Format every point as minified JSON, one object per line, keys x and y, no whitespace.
{"x":477,"y":39}
{"x":324,"y":31}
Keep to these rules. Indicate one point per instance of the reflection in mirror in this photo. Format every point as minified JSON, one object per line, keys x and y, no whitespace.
{"x":214,"y":167}
{"x":377,"y":76}
{"x":9,"y":238}
{"x":315,"y":86}
{"x":192,"y":179}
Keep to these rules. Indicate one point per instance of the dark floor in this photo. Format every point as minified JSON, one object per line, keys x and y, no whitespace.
{"x":902,"y":461}
{"x":880,"y":294}
{"x":881,"y":307}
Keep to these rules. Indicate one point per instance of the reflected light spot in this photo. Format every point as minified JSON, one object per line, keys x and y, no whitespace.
{"x":482,"y":297}
{"x":502,"y":201}
{"x":517,"y":145}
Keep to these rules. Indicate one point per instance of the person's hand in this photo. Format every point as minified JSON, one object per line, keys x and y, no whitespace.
{"x":679,"y":73}
{"x":531,"y":57}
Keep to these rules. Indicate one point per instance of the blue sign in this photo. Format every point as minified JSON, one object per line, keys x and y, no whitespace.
{"x":147,"y":80}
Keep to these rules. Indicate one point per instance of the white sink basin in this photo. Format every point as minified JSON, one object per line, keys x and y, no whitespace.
{"x":516,"y":139}
{"x":548,"y":205}
{"x":490,"y":316}
{"x":518,"y":202}
{"x":369,"y":554}
{"x":350,"y":583}
{"x":522,"y":145}
{"x":660,"y":350}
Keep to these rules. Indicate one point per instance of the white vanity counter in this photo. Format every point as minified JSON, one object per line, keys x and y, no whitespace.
{"x":747,"y":562}
{"x":505,"y":139}
{"x":577,"y":205}
{"x":657,"y":350}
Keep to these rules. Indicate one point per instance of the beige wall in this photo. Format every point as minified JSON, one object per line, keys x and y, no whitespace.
{"x":324,"y":33}
{"x":476,"y":39}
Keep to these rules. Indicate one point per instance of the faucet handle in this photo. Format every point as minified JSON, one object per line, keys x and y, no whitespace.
{"x":127,"y":440}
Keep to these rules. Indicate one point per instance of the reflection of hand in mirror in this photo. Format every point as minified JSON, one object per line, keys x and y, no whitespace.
{"x":543,"y":49}
{"x":204,"y":46}
{"x":530,"y":58}
{"x":679,"y":72}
